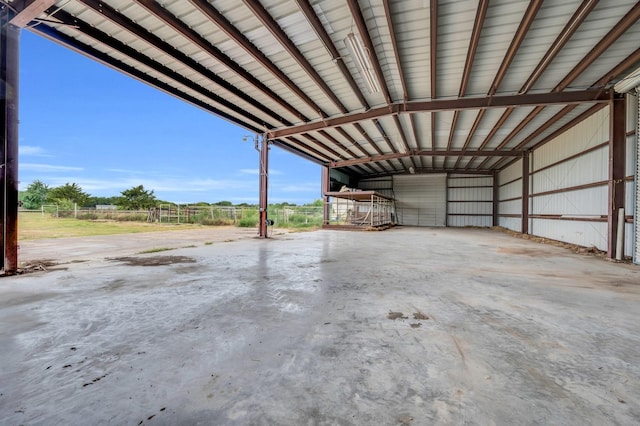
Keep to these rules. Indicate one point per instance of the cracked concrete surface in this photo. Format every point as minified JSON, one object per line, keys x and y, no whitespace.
{"x":296,"y":330}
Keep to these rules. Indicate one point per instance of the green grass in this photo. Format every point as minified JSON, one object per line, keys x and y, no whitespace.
{"x":155,"y":250}
{"x":34,"y":226}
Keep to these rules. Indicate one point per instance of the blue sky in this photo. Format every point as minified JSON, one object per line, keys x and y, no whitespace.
{"x":83,"y":122}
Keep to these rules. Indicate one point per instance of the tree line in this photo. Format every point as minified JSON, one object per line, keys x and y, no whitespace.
{"x":69,"y":195}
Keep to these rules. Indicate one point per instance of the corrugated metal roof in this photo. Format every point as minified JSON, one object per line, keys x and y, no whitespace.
{"x":282,"y":67}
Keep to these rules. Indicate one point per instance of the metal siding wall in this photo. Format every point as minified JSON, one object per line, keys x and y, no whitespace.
{"x":586,"y":234}
{"x":469,"y":196}
{"x":585,"y":169}
{"x":383,"y":185}
{"x":376,"y":183}
{"x":588,"y":168}
{"x":581,"y":203}
{"x":512,"y":190}
{"x":630,"y":187}
{"x":421,"y":200}
{"x":591,"y":132}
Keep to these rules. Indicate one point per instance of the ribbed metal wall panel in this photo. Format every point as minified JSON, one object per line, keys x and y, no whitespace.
{"x":376,"y":183}
{"x":469,"y":200}
{"x":383,"y":185}
{"x":581,"y":203}
{"x":421,"y":200}
{"x":588,"y":168}
{"x":511,"y":208}
{"x":513,"y":223}
{"x":565,"y":173}
{"x":588,"y":234}
{"x":512,"y":172}
{"x":589,"y":133}
{"x":510,"y":186}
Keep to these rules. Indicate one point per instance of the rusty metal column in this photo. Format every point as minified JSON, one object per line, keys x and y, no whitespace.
{"x":9,"y":60}
{"x":617,"y":160}
{"x":496,"y":199}
{"x":326,"y":185}
{"x":525,"y":192}
{"x":264,"y":185}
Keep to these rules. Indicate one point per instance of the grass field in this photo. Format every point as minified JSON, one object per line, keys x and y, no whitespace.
{"x":35,"y":226}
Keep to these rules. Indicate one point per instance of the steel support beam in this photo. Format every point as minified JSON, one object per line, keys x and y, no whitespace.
{"x":496,"y":198}
{"x":556,"y":98}
{"x":617,"y":151}
{"x":9,"y":60}
{"x":326,"y":187}
{"x":525,"y":192}
{"x":29,"y":10}
{"x":426,"y":153}
{"x":264,"y":185}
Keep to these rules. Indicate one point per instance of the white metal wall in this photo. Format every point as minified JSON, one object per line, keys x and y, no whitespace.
{"x":562,"y":208}
{"x":469,"y":200}
{"x":510,"y":196}
{"x":421,"y":200}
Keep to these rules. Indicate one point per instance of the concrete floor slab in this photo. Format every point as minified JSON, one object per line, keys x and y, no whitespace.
{"x":296,"y":331}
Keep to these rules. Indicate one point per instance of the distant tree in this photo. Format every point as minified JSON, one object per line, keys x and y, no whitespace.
{"x":137,"y":198}
{"x":35,"y":195}
{"x":95,"y":201}
{"x":317,"y":203}
{"x":71,"y":192}
{"x":223,"y":203}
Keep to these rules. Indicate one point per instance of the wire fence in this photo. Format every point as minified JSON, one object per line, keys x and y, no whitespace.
{"x":289,"y":216}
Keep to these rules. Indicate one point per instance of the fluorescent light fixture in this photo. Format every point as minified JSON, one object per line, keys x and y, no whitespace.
{"x":363,"y":62}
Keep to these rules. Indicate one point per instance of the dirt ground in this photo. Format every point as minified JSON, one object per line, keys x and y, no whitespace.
{"x":56,"y":251}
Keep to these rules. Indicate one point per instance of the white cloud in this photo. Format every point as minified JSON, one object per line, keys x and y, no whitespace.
{"x":48,"y":168}
{"x":255,"y":172}
{"x":34,"y":151}
{"x":248,"y":171}
{"x":125,"y":171}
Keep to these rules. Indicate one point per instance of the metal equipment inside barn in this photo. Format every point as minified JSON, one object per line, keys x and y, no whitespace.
{"x":479,"y":113}
{"x":359,"y":209}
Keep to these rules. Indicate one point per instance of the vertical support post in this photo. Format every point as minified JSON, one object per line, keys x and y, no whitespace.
{"x":636,"y":213}
{"x":525,"y":192}
{"x":617,"y":151}
{"x":264,"y":175}
{"x":326,"y":187}
{"x":496,"y":199}
{"x":371,"y":208}
{"x":9,"y":60}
